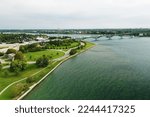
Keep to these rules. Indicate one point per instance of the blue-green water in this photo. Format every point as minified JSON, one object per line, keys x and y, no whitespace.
{"x":113,"y":69}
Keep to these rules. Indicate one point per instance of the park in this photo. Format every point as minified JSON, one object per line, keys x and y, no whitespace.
{"x":22,"y":68}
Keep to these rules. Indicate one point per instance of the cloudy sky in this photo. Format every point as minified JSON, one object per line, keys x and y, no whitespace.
{"x":50,"y":14}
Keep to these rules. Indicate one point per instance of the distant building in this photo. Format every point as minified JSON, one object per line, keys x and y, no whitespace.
{"x":141,"y":34}
{"x":41,"y":39}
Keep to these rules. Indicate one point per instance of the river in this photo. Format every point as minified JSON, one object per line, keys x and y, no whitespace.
{"x":113,"y":69}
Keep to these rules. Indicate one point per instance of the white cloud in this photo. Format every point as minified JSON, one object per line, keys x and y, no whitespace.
{"x":74,"y":13}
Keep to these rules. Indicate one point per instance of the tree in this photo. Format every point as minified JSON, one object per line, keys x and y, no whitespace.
{"x":23,"y":65}
{"x":17,"y":66}
{"x":73,"y":51}
{"x":31,"y":48}
{"x":19,"y":56}
{"x":10,"y":51}
{"x":42,"y":61}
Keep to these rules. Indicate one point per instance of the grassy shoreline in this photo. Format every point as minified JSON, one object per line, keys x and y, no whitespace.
{"x":39,"y":77}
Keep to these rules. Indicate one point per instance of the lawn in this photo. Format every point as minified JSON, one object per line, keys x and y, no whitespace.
{"x":7,"y":95}
{"x":7,"y":77}
{"x":51,"y":54}
{"x":74,"y":44}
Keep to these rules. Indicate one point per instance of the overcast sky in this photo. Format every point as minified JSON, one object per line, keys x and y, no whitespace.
{"x":50,"y":14}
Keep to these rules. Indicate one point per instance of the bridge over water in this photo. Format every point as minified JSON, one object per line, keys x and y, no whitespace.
{"x":109,"y":37}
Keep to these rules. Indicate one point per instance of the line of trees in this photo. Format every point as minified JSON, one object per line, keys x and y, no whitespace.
{"x":30,"y":48}
{"x":52,"y":44}
{"x":65,"y":42}
{"x":16,"y":38}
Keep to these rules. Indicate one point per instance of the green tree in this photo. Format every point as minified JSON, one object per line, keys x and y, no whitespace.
{"x":73,"y":51}
{"x":19,"y":56}
{"x":42,"y":61}
{"x":17,"y":66}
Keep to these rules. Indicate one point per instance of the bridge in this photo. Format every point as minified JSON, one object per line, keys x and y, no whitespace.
{"x":108,"y":36}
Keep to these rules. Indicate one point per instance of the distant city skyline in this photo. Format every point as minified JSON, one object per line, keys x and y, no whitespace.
{"x":74,"y":14}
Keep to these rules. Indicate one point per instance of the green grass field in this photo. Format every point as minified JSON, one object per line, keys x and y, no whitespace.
{"x":51,"y":54}
{"x":6,"y":79}
{"x":7,"y":95}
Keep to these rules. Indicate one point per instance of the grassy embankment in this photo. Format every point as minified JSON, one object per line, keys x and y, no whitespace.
{"x":17,"y":89}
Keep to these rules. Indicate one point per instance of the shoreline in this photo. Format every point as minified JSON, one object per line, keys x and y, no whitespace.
{"x":61,"y":62}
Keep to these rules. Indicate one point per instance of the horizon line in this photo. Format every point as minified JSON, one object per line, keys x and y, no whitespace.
{"x":67,"y":28}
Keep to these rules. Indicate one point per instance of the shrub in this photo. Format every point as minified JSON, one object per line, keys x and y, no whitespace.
{"x":18,"y":89}
{"x":30,"y":80}
{"x":73,"y":51}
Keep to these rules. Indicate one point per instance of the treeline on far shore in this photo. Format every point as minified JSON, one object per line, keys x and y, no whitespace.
{"x":129,"y":31}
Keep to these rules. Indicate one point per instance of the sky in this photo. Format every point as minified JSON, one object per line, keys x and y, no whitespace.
{"x":73,"y":14}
